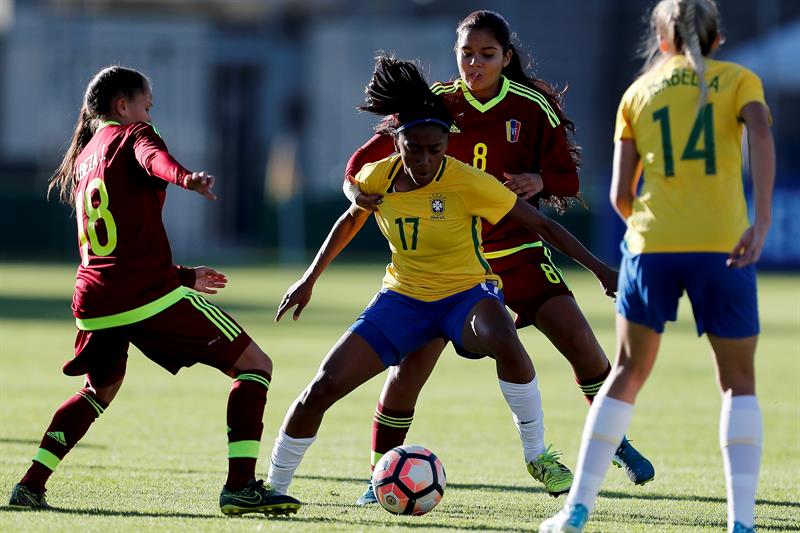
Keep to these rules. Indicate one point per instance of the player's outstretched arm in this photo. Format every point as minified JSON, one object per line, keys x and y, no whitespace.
{"x":201,"y":183}
{"x":343,"y":231}
{"x":565,"y":242}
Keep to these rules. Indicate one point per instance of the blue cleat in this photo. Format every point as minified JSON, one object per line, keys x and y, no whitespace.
{"x":738,"y":527}
{"x":637,"y":467}
{"x":368,"y":498}
{"x":570,"y":519}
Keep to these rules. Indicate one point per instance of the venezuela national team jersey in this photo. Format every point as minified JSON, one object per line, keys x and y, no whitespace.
{"x":126,"y":272}
{"x":692,"y":197}
{"x":434,"y":232}
{"x":517,"y":131}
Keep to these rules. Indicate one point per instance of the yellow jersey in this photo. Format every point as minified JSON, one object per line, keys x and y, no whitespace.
{"x":691,"y":198}
{"x":434,"y":232}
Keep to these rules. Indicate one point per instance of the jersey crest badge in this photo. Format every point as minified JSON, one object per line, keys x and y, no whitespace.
{"x":437,"y":206}
{"x":454,"y":128}
{"x":513,"y":127}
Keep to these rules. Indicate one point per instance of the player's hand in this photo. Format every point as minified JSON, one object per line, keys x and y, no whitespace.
{"x":608,"y":278}
{"x":298,"y":295}
{"x":201,"y":183}
{"x":208,"y":280}
{"x":368,"y":202}
{"x":524,"y":185}
{"x":748,"y":250}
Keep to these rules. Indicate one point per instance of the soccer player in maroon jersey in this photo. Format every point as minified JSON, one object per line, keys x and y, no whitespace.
{"x":128,"y":291}
{"x":512,"y":126}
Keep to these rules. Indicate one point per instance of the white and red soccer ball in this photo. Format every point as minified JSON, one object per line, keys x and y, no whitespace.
{"x":409,"y":480}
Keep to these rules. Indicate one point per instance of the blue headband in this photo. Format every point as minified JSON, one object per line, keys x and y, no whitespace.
{"x":419,"y":121}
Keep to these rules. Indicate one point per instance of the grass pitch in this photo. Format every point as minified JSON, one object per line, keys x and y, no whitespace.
{"x":156,"y":459}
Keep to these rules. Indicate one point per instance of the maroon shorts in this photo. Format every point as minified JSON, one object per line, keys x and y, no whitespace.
{"x":530,"y":278}
{"x":190,"y":331}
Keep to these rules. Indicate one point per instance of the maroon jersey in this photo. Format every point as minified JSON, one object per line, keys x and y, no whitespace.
{"x":517,"y":131}
{"x":126,"y":261}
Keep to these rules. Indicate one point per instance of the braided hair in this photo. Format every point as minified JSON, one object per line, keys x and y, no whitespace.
{"x":692,"y":26}
{"x":399,"y":92}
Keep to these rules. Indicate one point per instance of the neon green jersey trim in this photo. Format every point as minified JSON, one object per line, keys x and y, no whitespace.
{"x":509,"y":251}
{"x":47,"y":458}
{"x":134,"y":315}
{"x":483,"y":108}
{"x":244,"y":448}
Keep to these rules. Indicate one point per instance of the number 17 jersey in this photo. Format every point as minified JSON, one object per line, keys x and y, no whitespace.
{"x":434,"y":232}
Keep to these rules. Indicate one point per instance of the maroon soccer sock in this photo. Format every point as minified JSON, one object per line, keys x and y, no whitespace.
{"x":245,"y":414}
{"x":389,"y":429}
{"x":70,"y":423}
{"x":590,"y":387}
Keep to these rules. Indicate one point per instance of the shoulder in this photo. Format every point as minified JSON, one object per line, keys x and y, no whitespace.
{"x":733,"y":69}
{"x":447,"y":87}
{"x":524,"y":96}
{"x":373,"y":176}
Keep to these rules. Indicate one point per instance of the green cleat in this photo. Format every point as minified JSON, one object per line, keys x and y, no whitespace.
{"x":23,"y":497}
{"x":556,"y":477}
{"x":256,"y":498}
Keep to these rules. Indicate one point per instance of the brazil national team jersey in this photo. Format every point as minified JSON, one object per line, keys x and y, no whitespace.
{"x":434,"y":232}
{"x":691,"y":198}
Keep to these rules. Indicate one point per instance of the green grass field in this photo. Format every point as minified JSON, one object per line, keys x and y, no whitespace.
{"x":156,"y":459}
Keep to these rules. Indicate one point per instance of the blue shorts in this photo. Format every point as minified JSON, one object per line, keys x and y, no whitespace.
{"x":395,"y":325}
{"x":724,"y":300}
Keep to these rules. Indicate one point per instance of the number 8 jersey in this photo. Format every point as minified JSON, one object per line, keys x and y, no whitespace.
{"x":692,"y":197}
{"x":126,"y":272}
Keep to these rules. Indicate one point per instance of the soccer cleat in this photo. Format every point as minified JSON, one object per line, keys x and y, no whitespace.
{"x":22,"y":496}
{"x":637,"y":467}
{"x":738,"y":527}
{"x":570,"y":519}
{"x":368,"y":498}
{"x":556,"y":477}
{"x":256,"y":498}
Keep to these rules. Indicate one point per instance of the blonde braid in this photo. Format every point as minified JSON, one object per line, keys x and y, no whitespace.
{"x":687,"y":29}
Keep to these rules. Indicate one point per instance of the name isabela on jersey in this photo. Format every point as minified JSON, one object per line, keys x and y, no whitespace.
{"x":437,"y":206}
{"x":680,"y":76}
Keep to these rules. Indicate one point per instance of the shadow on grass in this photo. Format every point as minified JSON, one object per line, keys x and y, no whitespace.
{"x":368,"y":523}
{"x":688,"y":497}
{"x":36,"y":443}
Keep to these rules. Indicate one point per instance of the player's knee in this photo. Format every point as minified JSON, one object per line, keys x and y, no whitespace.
{"x":321,"y":394}
{"x":104,"y":394}
{"x":254,"y":358}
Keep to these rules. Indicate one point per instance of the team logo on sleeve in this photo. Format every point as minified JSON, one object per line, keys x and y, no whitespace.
{"x":513,"y":127}
{"x":437,"y":206}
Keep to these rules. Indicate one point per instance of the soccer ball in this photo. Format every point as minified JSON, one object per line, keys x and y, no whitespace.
{"x":408,"y":480}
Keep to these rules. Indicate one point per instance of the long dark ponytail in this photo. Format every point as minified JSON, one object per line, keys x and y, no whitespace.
{"x":106,"y":85}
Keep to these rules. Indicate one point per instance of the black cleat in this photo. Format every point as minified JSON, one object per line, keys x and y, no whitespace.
{"x":23,"y":497}
{"x":256,"y":498}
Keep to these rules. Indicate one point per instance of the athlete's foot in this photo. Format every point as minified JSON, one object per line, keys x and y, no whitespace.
{"x":255,"y":497}
{"x":555,"y":477}
{"x":23,"y":497}
{"x":738,"y":527}
{"x":570,"y":519}
{"x":637,"y":467}
{"x":368,"y":498}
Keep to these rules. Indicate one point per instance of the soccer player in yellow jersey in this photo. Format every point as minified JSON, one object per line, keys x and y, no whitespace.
{"x":438,"y":284}
{"x":679,"y":128}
